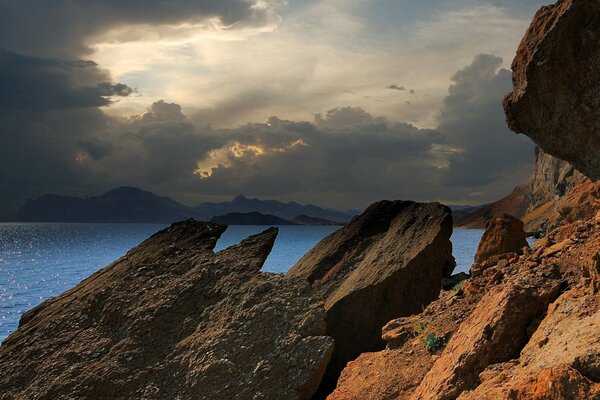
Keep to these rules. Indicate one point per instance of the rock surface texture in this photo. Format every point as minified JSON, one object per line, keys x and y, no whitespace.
{"x":556,"y":95}
{"x":173,"y":320}
{"x":525,"y":327}
{"x":503,"y":234}
{"x":386,"y":263}
{"x":551,"y":180}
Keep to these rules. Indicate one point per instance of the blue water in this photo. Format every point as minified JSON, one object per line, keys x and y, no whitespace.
{"x":39,"y":261}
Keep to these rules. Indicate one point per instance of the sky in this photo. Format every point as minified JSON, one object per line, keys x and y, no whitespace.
{"x":334,"y":102}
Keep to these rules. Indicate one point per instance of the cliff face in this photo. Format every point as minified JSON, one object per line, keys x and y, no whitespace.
{"x":551,"y":179}
{"x":172,"y":319}
{"x":557,"y":192}
{"x":556,"y":98}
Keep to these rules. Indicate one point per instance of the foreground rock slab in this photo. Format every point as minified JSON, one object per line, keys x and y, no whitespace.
{"x":556,"y":98}
{"x":386,"y":263}
{"x":173,"y":320}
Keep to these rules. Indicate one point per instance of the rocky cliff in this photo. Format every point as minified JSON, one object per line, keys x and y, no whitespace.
{"x":522,"y":327}
{"x":556,"y":98}
{"x":172,"y":319}
{"x":386,"y":263}
{"x":548,"y":187}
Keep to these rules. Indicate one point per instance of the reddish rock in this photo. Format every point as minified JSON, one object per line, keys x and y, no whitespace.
{"x":386,"y":263}
{"x":495,"y":332}
{"x":172,"y":319}
{"x":504,"y":332}
{"x":503,"y":234}
{"x":556,"y":99}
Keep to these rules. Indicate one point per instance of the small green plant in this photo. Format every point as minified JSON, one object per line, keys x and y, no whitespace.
{"x":432,"y":342}
{"x":420,"y":326}
{"x":459,"y":286}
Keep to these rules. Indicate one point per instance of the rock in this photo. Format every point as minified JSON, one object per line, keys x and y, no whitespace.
{"x":557,"y":383}
{"x":556,"y":97}
{"x":495,"y":331}
{"x":560,"y":361}
{"x":384,"y":375}
{"x":551,"y":179}
{"x":386,"y":263}
{"x":523,"y":328}
{"x":172,"y":319}
{"x":503,"y":235}
{"x":549,"y":185}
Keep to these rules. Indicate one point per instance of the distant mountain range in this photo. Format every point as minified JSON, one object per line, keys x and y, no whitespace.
{"x":130,"y":204}
{"x":256,"y":218}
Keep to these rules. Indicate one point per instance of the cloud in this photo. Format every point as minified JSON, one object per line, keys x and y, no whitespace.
{"x":484,"y":150}
{"x":33,"y":83}
{"x":345,"y":157}
{"x":396,"y":87}
{"x":66,"y":28}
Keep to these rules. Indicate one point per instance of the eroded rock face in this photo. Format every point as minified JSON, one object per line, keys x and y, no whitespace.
{"x":172,"y":319}
{"x":386,"y":263}
{"x":556,"y":94}
{"x":551,"y":179}
{"x":525,"y":327}
{"x":503,"y":234}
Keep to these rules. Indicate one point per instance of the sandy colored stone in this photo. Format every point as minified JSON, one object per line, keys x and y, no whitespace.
{"x":173,"y":320}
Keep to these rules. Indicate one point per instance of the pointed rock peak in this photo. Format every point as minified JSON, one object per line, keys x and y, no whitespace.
{"x":252,"y":252}
{"x":187,"y":236}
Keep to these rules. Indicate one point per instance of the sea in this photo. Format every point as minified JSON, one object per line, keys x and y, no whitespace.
{"x":41,"y":260}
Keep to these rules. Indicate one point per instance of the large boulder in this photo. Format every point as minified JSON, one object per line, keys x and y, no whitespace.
{"x":503,"y":234}
{"x":386,"y":263}
{"x":556,"y":95}
{"x":172,"y":319}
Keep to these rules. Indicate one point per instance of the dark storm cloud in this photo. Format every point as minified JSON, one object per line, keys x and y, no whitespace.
{"x":33,"y":83}
{"x":335,"y":154}
{"x":63,"y":27}
{"x":472,"y":118}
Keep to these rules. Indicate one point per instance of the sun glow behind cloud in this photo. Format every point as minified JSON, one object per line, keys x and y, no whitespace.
{"x":226,"y":156}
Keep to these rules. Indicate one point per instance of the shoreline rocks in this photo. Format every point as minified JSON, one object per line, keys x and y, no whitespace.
{"x":172,"y":319}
